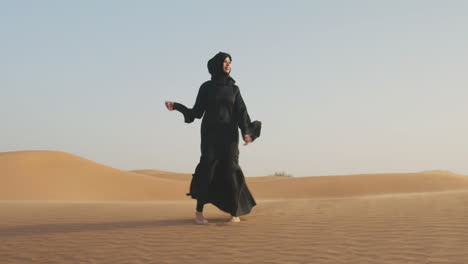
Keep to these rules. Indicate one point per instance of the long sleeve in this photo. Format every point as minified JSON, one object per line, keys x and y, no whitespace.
{"x":197,"y":110}
{"x":243,"y":119}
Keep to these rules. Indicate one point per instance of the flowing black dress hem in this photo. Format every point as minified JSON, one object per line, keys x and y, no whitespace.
{"x":229,"y":194}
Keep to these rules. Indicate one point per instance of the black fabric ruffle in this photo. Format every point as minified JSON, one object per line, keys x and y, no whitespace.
{"x":255,"y":128}
{"x":223,"y":185}
{"x":188,"y":115}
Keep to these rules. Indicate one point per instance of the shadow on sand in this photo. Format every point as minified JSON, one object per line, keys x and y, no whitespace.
{"x":39,"y":229}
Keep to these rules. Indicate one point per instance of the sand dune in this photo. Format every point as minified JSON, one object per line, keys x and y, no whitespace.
{"x":357,"y":185}
{"x":53,"y":175}
{"x":165,"y":174}
{"x":278,"y":187}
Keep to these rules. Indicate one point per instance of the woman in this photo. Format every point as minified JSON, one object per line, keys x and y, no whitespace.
{"x":218,"y":179}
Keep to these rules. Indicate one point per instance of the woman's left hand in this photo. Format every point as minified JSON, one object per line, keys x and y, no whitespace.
{"x":247,"y":139}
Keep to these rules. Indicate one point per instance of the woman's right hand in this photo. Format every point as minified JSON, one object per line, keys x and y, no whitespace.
{"x":247,"y":139}
{"x":169,"y":105}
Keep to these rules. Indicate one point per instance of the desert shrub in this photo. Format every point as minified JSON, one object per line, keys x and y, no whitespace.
{"x":280,"y":173}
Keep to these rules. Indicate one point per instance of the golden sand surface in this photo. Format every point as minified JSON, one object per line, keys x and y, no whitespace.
{"x":57,"y":207}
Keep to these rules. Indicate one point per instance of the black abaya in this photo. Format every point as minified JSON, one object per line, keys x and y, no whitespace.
{"x":218,"y":178}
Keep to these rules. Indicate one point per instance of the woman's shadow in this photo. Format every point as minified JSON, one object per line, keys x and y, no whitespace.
{"x":25,"y":230}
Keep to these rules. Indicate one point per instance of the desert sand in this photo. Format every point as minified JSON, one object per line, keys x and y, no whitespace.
{"x":56,"y":207}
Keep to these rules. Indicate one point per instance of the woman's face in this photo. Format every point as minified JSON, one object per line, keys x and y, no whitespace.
{"x":227,"y":65}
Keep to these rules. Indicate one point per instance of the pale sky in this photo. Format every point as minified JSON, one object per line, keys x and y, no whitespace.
{"x":341,"y":87}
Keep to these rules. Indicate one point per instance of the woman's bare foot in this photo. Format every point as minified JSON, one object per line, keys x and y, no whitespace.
{"x":234,"y":219}
{"x":200,"y":219}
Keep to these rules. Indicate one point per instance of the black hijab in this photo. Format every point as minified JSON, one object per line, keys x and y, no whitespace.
{"x":215,"y":68}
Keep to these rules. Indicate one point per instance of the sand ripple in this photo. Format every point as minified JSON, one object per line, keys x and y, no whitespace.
{"x":411,"y":228}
